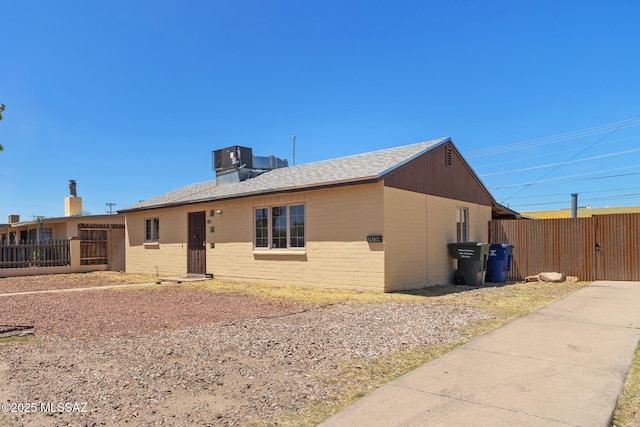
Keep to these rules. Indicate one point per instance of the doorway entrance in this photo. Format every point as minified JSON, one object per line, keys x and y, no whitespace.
{"x":197,"y":251}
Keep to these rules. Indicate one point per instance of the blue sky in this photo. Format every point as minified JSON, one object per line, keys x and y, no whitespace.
{"x":129,"y":98}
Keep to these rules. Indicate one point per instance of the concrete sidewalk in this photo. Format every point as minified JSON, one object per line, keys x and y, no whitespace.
{"x":563,"y":365}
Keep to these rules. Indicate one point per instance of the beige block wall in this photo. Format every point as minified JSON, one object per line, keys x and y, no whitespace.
{"x":166,"y":258}
{"x":337,"y":254}
{"x":405,"y":239}
{"x":418,"y":228}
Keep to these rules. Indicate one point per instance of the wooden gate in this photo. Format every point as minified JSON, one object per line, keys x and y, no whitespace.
{"x":196,"y":256}
{"x":617,"y":247}
{"x":601,"y":247}
{"x":102,"y":244}
{"x":115,"y":250}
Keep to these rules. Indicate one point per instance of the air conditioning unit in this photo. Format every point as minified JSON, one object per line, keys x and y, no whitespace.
{"x":232,"y":157}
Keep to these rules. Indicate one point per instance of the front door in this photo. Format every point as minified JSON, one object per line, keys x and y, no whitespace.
{"x":197,"y":255}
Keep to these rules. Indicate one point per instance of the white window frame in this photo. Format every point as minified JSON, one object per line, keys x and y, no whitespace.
{"x":152,"y":229}
{"x":462,"y":224}
{"x":270,"y":228}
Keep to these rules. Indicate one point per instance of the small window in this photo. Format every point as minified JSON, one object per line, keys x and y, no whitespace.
{"x":296,"y":228}
{"x":462,"y":224}
{"x":152,"y":229}
{"x":280,"y":227}
{"x":46,"y":234}
{"x":262,"y":228}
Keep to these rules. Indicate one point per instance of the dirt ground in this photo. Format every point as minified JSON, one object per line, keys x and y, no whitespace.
{"x":70,"y":281}
{"x":181,"y":356}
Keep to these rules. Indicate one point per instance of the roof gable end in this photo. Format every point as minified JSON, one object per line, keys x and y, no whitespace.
{"x":443,"y":172}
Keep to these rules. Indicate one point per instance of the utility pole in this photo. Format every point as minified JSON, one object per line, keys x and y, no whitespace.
{"x":1,"y":110}
{"x":293,"y":138}
{"x":111,"y":205}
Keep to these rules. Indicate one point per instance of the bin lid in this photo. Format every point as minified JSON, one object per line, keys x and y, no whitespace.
{"x":501,"y":245}
{"x":469,"y":244}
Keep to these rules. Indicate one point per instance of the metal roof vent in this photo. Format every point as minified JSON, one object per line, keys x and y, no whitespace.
{"x":448,"y":156}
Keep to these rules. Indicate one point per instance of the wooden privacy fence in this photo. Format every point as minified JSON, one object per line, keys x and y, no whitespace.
{"x":602,"y":247}
{"x":53,"y":253}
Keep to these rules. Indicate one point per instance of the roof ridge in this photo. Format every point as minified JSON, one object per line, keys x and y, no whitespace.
{"x":367,"y":153}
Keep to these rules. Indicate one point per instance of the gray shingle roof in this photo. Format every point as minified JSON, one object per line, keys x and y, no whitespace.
{"x":360,"y":167}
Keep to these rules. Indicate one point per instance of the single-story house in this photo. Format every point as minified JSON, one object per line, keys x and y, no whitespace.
{"x":73,"y":224}
{"x":379,"y":220}
{"x":101,"y":236}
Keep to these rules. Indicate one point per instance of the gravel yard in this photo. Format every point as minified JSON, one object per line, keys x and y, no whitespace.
{"x":182,"y":356}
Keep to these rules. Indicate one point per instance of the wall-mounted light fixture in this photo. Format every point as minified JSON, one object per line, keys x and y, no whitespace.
{"x":219,"y":212}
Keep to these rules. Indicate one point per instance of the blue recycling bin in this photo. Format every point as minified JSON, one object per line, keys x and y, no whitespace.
{"x":499,"y":262}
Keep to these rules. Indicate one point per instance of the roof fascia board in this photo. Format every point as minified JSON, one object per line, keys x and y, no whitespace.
{"x":296,"y":189}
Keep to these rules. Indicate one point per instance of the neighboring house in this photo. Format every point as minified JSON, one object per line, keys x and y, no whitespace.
{"x":46,"y":229}
{"x":583,"y":212}
{"x":101,"y":236}
{"x":380,"y":220}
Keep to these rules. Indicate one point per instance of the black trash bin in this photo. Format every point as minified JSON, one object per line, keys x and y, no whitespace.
{"x":499,"y":262}
{"x":472,"y":261}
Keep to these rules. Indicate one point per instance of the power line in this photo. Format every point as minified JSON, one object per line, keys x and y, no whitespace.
{"x":564,"y":178}
{"x":581,"y":193}
{"x":555,"y":138}
{"x":572,"y":158}
{"x":619,"y":153}
{"x":548,"y":153}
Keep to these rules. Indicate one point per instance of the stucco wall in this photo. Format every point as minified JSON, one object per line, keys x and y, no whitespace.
{"x":418,"y":228}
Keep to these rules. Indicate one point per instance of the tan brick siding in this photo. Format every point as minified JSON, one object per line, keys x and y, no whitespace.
{"x":338,"y":221}
{"x":418,"y":228}
{"x":336,"y":254}
{"x":169,"y":256}
{"x":415,"y":227}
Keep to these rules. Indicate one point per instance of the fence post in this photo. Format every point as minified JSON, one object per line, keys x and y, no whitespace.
{"x":74,"y":254}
